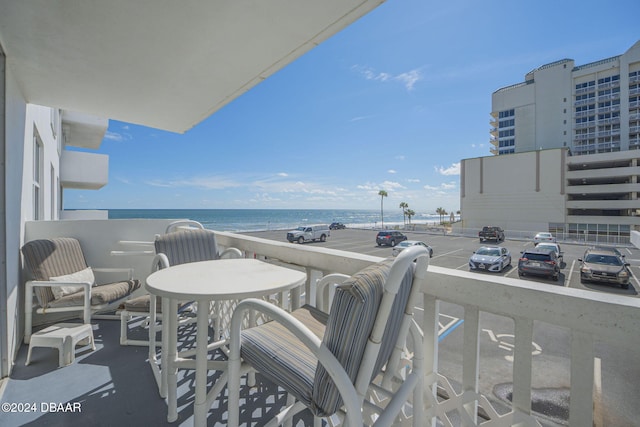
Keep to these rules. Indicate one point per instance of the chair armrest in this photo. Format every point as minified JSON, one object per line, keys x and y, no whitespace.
{"x":40,"y":283}
{"x":309,"y":339}
{"x":324,"y":293}
{"x":231,"y":253}
{"x":159,"y":262}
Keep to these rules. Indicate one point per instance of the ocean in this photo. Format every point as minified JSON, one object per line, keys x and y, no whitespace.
{"x":275,"y":219}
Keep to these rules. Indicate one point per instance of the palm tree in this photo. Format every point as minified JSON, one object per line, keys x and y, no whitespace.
{"x":410,"y":213}
{"x":442,"y":212}
{"x":382,"y":195}
{"x":404,"y":206}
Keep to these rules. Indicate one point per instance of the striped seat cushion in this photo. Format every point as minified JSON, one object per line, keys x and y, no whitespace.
{"x":142,"y":304}
{"x":275,"y":352}
{"x":352,"y":316}
{"x":100,"y":295}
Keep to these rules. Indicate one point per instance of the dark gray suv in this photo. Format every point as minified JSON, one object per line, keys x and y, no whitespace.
{"x":390,"y":238}
{"x":539,"y":262}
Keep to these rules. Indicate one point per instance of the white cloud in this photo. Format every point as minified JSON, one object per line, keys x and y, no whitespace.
{"x":449,"y":185}
{"x":413,"y":180}
{"x":400,"y":157}
{"x":430,"y":188}
{"x":283,"y":174}
{"x":391,"y":171}
{"x":113,"y":136}
{"x":408,"y":78}
{"x":454,"y":169}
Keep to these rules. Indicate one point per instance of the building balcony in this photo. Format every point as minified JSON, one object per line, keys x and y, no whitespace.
{"x":117,"y":386}
{"x":610,"y":121}
{"x":584,"y":90}
{"x":582,"y":102}
{"x":83,"y":130}
{"x":494,"y":141}
{"x":610,"y":109}
{"x":80,"y":170}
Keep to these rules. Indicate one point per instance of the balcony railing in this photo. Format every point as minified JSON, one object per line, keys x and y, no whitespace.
{"x":591,"y":319}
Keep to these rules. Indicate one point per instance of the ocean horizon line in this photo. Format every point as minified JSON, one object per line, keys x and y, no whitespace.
{"x":260,"y":219}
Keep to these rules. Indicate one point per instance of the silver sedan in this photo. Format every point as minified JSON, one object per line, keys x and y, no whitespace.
{"x":490,"y":258}
{"x":408,"y":243}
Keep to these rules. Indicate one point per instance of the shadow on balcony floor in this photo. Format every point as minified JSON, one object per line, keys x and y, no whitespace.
{"x":114,"y":386}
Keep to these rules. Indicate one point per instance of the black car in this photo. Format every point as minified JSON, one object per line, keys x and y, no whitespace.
{"x":337,"y":226}
{"x":390,"y":238}
{"x":539,"y":262}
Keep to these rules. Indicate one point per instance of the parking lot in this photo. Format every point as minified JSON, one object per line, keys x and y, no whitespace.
{"x":452,"y":251}
{"x":614,"y":403}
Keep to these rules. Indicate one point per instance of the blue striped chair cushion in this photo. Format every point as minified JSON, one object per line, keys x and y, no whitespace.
{"x":351,"y":319}
{"x":185,"y":246}
{"x":275,"y":352}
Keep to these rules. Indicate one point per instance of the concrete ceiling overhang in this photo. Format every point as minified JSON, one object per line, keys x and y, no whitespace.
{"x":161,"y":63}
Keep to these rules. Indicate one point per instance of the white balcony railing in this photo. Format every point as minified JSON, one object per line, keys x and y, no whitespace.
{"x":591,"y":319}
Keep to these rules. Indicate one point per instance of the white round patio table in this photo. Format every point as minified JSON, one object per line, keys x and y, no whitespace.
{"x":204,"y":282}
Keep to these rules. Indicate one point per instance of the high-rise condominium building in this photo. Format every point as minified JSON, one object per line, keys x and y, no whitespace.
{"x":566,"y":145}
{"x":592,"y":108}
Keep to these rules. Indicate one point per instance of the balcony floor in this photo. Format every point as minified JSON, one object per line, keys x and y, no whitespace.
{"x":114,"y":386}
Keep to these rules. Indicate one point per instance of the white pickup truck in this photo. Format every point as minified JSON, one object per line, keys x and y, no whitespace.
{"x":309,"y":233}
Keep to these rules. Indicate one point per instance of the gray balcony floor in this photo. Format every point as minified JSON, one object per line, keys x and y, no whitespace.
{"x":114,"y":386}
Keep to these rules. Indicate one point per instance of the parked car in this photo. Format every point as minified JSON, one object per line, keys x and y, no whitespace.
{"x":390,"y":238}
{"x":491,"y":233}
{"x":407,"y":244}
{"x":490,"y":258}
{"x":555,"y":247}
{"x":539,"y":262}
{"x":605,"y":266}
{"x":337,"y":226}
{"x":543,"y":237}
{"x":309,"y":232}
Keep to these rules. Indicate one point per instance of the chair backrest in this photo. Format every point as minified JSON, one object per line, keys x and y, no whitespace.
{"x":364,"y":322}
{"x":185,"y":246}
{"x":46,"y":258}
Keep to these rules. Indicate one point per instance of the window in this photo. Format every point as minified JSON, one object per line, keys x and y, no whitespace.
{"x":38,"y":166}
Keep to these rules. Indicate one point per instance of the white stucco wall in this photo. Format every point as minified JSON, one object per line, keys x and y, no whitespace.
{"x":511,"y":192}
{"x":15,"y":115}
{"x":21,"y":120}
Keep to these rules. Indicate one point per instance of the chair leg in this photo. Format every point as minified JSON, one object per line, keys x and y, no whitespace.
{"x":124,"y":319}
{"x":28,"y":313}
{"x":233,"y":388}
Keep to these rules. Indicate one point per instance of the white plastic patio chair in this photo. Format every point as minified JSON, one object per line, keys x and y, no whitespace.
{"x":174,"y":248}
{"x":330,"y":363}
{"x":63,"y":282}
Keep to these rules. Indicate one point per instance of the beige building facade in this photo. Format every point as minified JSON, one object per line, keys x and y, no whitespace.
{"x":566,"y":153}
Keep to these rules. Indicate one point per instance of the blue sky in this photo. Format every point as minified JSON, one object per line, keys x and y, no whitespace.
{"x":393,"y":102}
